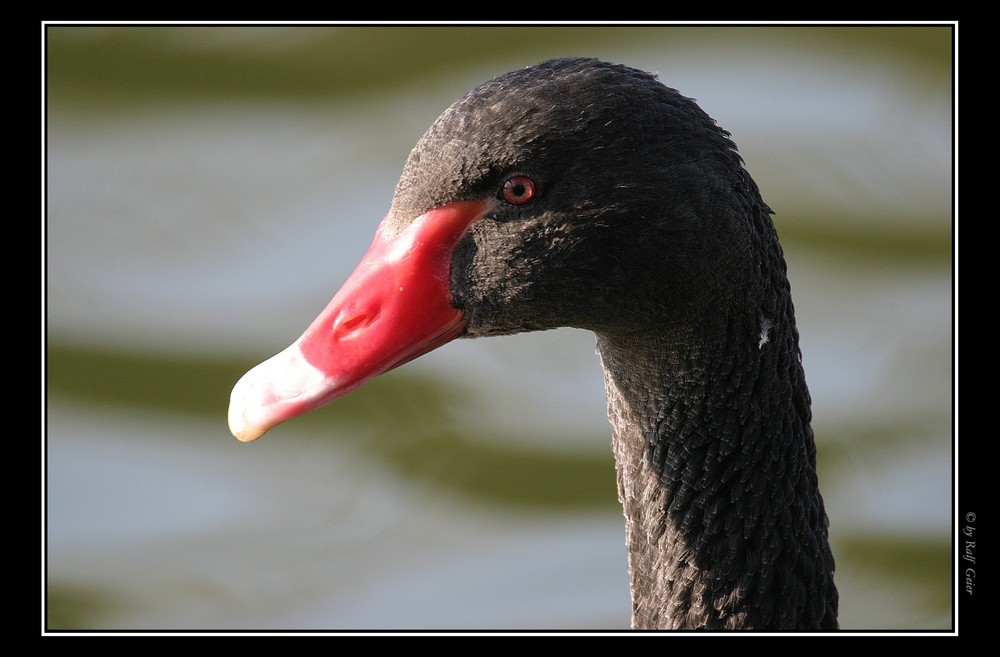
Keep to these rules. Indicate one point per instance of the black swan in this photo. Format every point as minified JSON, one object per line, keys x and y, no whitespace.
{"x":587,"y":194}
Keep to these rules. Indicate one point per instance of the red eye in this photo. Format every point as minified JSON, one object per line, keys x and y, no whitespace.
{"x":519,"y":190}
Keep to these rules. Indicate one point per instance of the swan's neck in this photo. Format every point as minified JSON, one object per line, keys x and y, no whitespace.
{"x":716,"y":475}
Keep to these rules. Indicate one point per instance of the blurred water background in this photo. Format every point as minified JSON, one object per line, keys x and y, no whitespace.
{"x":210,"y":187}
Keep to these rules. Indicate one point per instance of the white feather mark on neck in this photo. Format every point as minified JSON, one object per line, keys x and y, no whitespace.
{"x":765,"y":326}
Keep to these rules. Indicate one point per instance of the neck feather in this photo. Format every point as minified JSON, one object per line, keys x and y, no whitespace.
{"x":716,"y":471}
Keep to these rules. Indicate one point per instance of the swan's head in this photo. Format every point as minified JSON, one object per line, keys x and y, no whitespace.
{"x":571,"y":193}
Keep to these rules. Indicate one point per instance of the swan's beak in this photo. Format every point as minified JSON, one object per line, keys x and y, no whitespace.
{"x":397,"y":305}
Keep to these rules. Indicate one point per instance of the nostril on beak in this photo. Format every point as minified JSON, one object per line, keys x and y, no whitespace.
{"x":352,"y":323}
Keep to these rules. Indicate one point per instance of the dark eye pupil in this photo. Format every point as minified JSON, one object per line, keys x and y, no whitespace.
{"x":518,"y":190}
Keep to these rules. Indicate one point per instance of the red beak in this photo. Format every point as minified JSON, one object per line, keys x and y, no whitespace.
{"x":394,"y":307}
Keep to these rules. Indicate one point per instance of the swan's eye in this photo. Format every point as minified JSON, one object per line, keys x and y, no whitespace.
{"x":518,"y":190}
